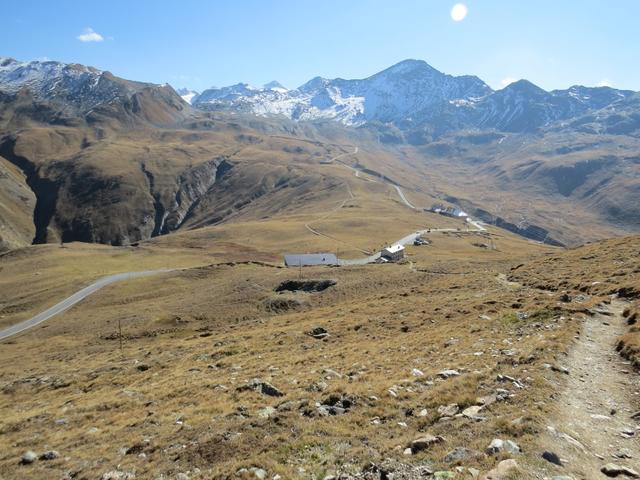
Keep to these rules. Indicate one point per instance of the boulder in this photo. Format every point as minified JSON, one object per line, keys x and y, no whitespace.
{"x":613,"y":470}
{"x":448,"y":410}
{"x":503,"y":471}
{"x":462,"y":455}
{"x":472,"y":412}
{"x":498,"y":445}
{"x":318,"y":333}
{"x":28,"y":458}
{"x":262,"y":387}
{"x":424,"y":442}
{"x":49,"y":455}
{"x":552,"y":458}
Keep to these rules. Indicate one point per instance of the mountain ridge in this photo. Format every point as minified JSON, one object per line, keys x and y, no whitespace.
{"x":414,"y":95}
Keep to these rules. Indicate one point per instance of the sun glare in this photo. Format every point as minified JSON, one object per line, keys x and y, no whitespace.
{"x":459,"y":12}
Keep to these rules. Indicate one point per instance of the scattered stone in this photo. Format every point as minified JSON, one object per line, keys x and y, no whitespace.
{"x":507,"y":378}
{"x":628,"y":432}
{"x":423,"y":413}
{"x":613,"y":470}
{"x":182,"y":476}
{"x":417,"y":373}
{"x":28,"y":458}
{"x":552,"y":458}
{"x":498,"y":445}
{"x":503,"y":471}
{"x":253,"y":472}
{"x":462,"y":455}
{"x":262,"y":387}
{"x":472,"y":413}
{"x":334,"y":405}
{"x":623,"y":453}
{"x":259,"y":473}
{"x":565,"y":298}
{"x":424,"y":442}
{"x":117,"y":475}
{"x":560,"y":369}
{"x":448,"y":410}
{"x":597,"y":416}
{"x":486,"y":400}
{"x":318,"y":333}
{"x":448,"y":373}
{"x":49,"y":455}
{"x":636,"y":416}
{"x":266,"y":412}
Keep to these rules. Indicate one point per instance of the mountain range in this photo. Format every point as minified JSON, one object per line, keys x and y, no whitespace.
{"x":414,"y":96}
{"x":86,"y":155}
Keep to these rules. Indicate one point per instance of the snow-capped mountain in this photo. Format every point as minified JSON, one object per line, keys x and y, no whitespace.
{"x":413,"y":95}
{"x":77,"y":89}
{"x":186,"y":94}
{"x":75,"y":84}
{"x":396,"y":94}
{"x":523,"y":106}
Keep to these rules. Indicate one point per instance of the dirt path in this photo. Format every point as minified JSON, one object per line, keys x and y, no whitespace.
{"x":595,"y":409}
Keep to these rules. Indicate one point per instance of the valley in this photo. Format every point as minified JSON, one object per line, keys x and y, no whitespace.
{"x":149,"y":327}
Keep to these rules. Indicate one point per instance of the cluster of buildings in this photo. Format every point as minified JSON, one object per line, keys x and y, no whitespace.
{"x":454,"y":212}
{"x":392,"y":253}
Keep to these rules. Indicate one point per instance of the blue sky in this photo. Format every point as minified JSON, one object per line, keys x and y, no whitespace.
{"x":198,"y":44}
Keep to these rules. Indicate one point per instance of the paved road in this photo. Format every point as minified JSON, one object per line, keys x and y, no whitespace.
{"x":73,"y":299}
{"x":403,"y":198}
{"x":409,"y":239}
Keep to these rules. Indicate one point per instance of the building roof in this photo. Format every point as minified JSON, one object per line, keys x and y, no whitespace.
{"x":308,"y":259}
{"x":394,"y":248}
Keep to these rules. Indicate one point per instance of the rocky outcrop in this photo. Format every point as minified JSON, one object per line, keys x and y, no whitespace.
{"x":192,"y":186}
{"x":17,"y":203}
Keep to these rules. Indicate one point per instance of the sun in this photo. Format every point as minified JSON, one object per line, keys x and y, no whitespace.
{"x":459,"y":12}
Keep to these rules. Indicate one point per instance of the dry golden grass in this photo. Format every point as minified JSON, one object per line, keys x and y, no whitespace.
{"x":205,"y":327}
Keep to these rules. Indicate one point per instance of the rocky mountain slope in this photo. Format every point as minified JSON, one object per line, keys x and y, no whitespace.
{"x":17,"y":203}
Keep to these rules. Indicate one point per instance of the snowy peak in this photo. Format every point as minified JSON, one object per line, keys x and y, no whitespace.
{"x":41,"y":78}
{"x":186,"y":94}
{"x":410,"y":67}
{"x":275,"y":86}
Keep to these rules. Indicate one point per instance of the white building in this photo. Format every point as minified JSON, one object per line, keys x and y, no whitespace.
{"x":393,"y":253}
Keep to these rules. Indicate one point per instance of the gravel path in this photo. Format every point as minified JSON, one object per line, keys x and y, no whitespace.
{"x":594,"y":425}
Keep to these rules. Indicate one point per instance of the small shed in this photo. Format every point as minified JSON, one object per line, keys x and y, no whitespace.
{"x":394,"y":252}
{"x":309,"y":259}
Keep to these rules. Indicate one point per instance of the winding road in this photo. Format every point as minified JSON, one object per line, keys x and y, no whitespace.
{"x":73,"y":299}
{"x":403,"y":198}
{"x":409,"y":239}
{"x":104,"y":281}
